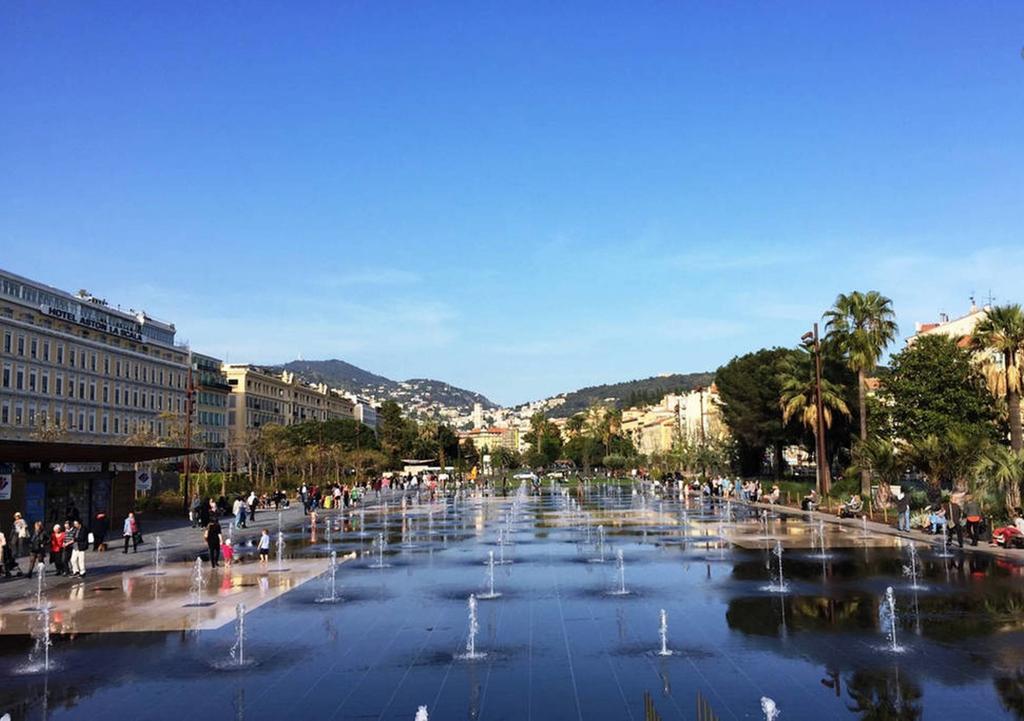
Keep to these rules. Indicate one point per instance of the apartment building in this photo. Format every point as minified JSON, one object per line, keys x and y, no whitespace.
{"x":262,"y":396}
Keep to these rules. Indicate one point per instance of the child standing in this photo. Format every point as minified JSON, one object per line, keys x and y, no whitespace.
{"x":227,"y":552}
{"x":264,"y":547}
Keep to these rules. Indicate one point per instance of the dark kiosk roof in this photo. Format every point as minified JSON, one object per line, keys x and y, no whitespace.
{"x":42,"y":452}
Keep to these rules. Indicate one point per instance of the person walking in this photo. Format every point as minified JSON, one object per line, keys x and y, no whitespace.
{"x":130,"y":532}
{"x":19,"y":536}
{"x":57,"y":549}
{"x":70,"y":536}
{"x":972,"y":512}
{"x":902,"y":511}
{"x":251,"y":502}
{"x":8,"y":562}
{"x":212,"y":536}
{"x":955,"y":518}
{"x":81,"y":545}
{"x":38,"y":543}
{"x":100,"y":527}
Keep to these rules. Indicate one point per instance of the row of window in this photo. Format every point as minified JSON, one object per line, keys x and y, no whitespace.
{"x":27,"y":345}
{"x":217,"y":400}
{"x":27,"y":414}
{"x":34,"y":380}
{"x":208,"y":418}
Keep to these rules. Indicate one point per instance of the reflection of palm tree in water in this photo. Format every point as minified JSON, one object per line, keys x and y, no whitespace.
{"x":1011,"y":692}
{"x":883,"y":696}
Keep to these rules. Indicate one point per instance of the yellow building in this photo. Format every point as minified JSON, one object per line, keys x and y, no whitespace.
{"x":488,"y":439}
{"x":261,"y":396}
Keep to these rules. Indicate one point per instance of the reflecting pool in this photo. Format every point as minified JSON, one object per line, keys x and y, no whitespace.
{"x":599,"y":606}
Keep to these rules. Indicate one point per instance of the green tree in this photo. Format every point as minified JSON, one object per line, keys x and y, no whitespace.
{"x":750,"y":390}
{"x":861,"y":326}
{"x":933,"y":388}
{"x":392,"y":430}
{"x":879,"y":458}
{"x":1002,"y":331}
{"x":947,"y":460}
{"x":545,"y":441}
{"x":1000,"y":475}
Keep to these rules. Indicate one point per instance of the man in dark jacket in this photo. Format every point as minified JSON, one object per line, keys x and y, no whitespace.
{"x":954,"y":517}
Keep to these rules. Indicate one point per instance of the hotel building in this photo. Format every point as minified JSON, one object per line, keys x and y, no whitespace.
{"x":76,"y":369}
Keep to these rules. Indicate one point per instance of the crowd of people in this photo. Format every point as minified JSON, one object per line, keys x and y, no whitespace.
{"x":63,"y":545}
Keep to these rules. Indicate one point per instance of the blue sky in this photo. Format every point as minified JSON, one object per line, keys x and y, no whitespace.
{"x":519,"y":198}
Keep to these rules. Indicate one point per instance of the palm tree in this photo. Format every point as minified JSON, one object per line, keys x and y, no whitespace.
{"x":1000,"y":471}
{"x":575,"y":424}
{"x":798,"y":389}
{"x":880,"y":458}
{"x":862,"y":325}
{"x":1002,"y":332}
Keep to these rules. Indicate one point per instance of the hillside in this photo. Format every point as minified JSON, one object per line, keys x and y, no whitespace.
{"x":630,"y":393}
{"x":423,"y":396}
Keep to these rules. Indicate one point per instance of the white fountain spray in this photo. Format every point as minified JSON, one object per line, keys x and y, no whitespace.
{"x":769,"y":709}
{"x":40,"y":575}
{"x":280,"y":551}
{"x":490,"y":578}
{"x":778,"y":585}
{"x":158,"y":557}
{"x":332,"y":574}
{"x":663,"y":634}
{"x":329,"y":530}
{"x":238,"y":649}
{"x":41,"y":648}
{"x":474,"y":628}
{"x":913,"y":568}
{"x":198,"y":583}
{"x":380,"y":552}
{"x":888,"y":619}
{"x":421,"y":714}
{"x":620,"y":562}
{"x":600,"y":544}
{"x":864,"y":526}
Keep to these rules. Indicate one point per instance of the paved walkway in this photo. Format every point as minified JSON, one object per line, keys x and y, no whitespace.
{"x":983,"y":547}
{"x":178,"y":540}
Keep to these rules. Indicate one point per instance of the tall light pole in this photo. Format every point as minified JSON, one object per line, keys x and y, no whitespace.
{"x":190,"y":392}
{"x":824,"y":481}
{"x":703,"y":438}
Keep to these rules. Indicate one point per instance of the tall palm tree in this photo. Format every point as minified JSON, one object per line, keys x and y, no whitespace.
{"x":797,"y":397}
{"x":862,"y":325}
{"x":1002,"y":332}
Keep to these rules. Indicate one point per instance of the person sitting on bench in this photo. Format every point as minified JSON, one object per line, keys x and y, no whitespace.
{"x":852,"y":507}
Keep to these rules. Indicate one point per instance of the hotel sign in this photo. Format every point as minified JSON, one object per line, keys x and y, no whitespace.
{"x":130,"y":333}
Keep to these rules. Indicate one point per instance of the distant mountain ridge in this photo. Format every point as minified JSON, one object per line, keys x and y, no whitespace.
{"x":626,"y":394}
{"x":427,"y":397}
{"x":416,"y":395}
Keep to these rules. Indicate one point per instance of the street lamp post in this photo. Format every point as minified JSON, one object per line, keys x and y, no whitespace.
{"x":190,"y":392}
{"x":824,"y":481}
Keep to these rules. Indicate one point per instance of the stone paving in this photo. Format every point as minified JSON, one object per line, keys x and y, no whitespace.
{"x":179,"y":542}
